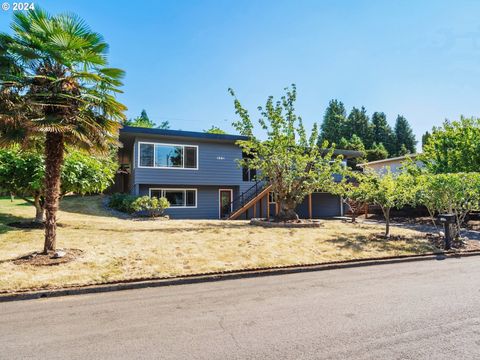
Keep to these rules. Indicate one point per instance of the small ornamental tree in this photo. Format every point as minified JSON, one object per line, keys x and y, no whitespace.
{"x":22,"y":173}
{"x":388,"y":191}
{"x":352,"y":194}
{"x":288,"y":158}
{"x":457,"y":193}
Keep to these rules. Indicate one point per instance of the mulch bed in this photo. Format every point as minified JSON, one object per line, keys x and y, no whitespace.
{"x":29,"y":225}
{"x":287,"y":224}
{"x":39,"y":259}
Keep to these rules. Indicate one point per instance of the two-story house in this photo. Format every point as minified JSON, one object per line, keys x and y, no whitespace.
{"x":200,"y":176}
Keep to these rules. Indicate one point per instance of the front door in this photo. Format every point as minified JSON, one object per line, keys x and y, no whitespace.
{"x":225,"y":202}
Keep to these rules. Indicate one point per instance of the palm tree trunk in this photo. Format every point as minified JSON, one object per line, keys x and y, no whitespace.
{"x":53,"y":166}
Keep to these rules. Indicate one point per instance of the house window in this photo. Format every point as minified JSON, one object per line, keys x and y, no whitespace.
{"x":146,"y":154}
{"x":190,"y":157}
{"x":271,"y":197}
{"x":248,"y":174}
{"x":177,"y":197}
{"x":168,"y":156}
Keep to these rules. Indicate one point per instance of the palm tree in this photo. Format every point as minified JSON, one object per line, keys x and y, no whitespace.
{"x":57,"y":90}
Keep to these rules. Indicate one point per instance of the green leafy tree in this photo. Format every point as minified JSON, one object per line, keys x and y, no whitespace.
{"x":457,"y":193}
{"x":405,"y":142}
{"x":352,"y":195}
{"x":377,"y":152}
{"x":355,"y":143}
{"x":454,"y":147}
{"x":359,"y":124}
{"x":22,"y":173}
{"x":288,"y":158}
{"x":388,"y":191}
{"x":141,"y":121}
{"x":57,"y":89}
{"x":382,"y":132}
{"x":425,"y":139}
{"x":214,"y":130}
{"x":333,"y":125}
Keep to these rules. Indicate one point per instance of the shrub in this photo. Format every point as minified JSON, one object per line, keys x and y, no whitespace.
{"x":122,"y":202}
{"x":152,"y":205}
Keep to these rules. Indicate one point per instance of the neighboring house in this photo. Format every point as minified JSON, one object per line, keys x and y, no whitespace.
{"x":199,"y":175}
{"x":395,"y":164}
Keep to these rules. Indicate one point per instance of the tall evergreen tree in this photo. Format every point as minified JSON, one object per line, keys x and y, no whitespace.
{"x":404,"y":137}
{"x":382,"y":132}
{"x":141,"y":121}
{"x":359,"y":124}
{"x":355,"y":143}
{"x":377,"y":152}
{"x":425,"y":138}
{"x":333,"y":124}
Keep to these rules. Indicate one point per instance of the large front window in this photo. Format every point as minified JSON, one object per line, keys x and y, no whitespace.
{"x":168,"y":156}
{"x":177,"y":197}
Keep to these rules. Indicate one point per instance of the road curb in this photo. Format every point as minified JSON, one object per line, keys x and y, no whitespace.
{"x":227,"y":275}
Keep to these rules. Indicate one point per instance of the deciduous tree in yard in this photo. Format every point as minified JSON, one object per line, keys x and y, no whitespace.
{"x":57,"y":89}
{"x":351,"y":193}
{"x":388,"y":191}
{"x":457,"y":193}
{"x":22,"y":173}
{"x":454,"y":147}
{"x":288,"y":158}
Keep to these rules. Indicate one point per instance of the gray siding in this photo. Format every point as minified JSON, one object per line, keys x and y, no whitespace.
{"x":207,"y":201}
{"x":217,"y":165}
{"x":217,"y":169}
{"x":323,"y":205}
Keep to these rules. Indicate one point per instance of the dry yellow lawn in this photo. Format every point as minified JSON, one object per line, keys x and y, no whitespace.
{"x":118,"y":249}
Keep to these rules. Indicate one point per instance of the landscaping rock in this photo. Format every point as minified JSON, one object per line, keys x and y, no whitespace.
{"x":59,"y":254}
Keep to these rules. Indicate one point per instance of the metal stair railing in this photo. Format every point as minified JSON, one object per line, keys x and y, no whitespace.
{"x":245,"y":197}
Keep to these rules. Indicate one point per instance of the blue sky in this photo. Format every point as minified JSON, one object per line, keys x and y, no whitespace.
{"x":416,"y":58}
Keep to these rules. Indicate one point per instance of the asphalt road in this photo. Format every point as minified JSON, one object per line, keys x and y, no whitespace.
{"x":421,"y":310}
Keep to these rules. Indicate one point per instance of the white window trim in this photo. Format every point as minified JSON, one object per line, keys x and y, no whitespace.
{"x":165,"y":167}
{"x":220,"y":201}
{"x":178,"y":189}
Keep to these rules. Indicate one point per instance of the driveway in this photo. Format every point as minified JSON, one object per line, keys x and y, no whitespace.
{"x":421,"y":310}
